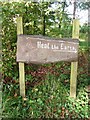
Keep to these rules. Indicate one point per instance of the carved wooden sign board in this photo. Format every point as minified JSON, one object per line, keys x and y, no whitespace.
{"x":40,"y":49}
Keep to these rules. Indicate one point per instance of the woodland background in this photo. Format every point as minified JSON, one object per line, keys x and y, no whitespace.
{"x":47,"y":86}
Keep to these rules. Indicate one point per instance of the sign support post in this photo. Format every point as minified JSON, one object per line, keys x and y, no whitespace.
{"x":21,"y":65}
{"x":74,"y":65}
{"x":40,"y":50}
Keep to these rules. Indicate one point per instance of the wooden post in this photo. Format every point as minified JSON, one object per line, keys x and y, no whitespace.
{"x":74,"y":65}
{"x":21,"y":65}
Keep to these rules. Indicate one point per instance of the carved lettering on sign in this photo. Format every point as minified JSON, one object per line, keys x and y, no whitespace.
{"x":59,"y":47}
{"x":37,"y":49}
{"x":42,"y":45}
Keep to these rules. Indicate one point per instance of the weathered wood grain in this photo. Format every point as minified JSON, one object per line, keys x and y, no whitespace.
{"x":21,"y":65}
{"x":39,"y":49}
{"x":74,"y":65}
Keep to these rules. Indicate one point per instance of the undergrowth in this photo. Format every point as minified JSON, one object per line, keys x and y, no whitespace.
{"x":47,"y":94}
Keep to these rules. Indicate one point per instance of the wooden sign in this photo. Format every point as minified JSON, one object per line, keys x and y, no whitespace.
{"x":39,"y":49}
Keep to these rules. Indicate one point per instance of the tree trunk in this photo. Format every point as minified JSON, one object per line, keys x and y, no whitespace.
{"x":74,"y":9}
{"x":44,"y":26}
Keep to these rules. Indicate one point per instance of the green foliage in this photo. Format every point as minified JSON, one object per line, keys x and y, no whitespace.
{"x":84,"y":5}
{"x":47,"y":98}
{"x":84,"y":31}
{"x":32,"y":14}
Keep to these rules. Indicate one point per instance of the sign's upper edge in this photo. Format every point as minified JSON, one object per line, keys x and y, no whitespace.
{"x":50,"y":38}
